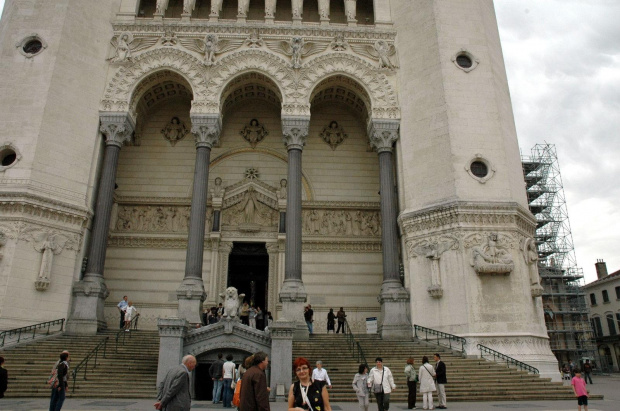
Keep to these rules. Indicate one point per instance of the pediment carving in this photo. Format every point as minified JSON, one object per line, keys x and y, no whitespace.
{"x":250,"y":206}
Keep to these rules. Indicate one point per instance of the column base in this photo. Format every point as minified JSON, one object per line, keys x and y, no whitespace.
{"x":281,"y":358}
{"x":86,"y":316}
{"x":293,"y":297}
{"x":172,"y":331}
{"x":394,"y":301}
{"x":191,"y":294}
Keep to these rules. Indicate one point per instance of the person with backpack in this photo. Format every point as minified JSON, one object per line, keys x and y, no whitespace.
{"x":58,"y":382}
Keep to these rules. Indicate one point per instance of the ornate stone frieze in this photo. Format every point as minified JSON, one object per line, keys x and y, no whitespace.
{"x":490,"y":253}
{"x":333,"y":134}
{"x":383,"y":134}
{"x":210,"y":46}
{"x":124,"y":45}
{"x":497,"y":216}
{"x":341,"y":246}
{"x":117,"y":127}
{"x":43,"y":211}
{"x":296,"y":48}
{"x":154,"y":219}
{"x":351,"y":205}
{"x":341,"y":223}
{"x":254,"y":132}
{"x":432,"y":249}
{"x":38,"y":234}
{"x":381,"y":51}
{"x":133,"y":241}
{"x":174,"y":131}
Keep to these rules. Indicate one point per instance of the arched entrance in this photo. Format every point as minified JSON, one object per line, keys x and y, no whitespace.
{"x":248,"y":272}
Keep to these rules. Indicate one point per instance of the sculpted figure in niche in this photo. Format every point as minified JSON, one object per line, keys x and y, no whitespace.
{"x":189,"y":6}
{"x":270,"y":9}
{"x":175,"y":131}
{"x":242,"y":9}
{"x":281,"y":193}
{"x":491,"y":258}
{"x":530,"y":253}
{"x":254,"y":132}
{"x":249,"y":206}
{"x":217,"y":191}
{"x":333,"y":135}
{"x":216,"y":7}
{"x":49,"y":245}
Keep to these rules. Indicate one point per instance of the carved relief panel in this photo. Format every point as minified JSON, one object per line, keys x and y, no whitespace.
{"x":363,"y":223}
{"x":155,"y":218}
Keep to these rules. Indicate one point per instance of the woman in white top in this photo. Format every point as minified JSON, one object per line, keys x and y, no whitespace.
{"x":130,"y":313}
{"x":320,"y":374}
{"x":228,"y":372}
{"x":427,"y":384}
{"x":381,"y":382}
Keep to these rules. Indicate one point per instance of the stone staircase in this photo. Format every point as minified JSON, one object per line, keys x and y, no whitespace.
{"x":130,"y":373}
{"x":468,"y":379}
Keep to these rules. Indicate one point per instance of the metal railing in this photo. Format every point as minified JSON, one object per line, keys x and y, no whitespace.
{"x":499,"y":357}
{"x":29,"y":332}
{"x":122,"y":334}
{"x":354,"y":345}
{"x":92,"y":355}
{"x":441,"y":338}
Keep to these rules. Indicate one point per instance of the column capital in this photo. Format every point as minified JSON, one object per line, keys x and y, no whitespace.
{"x":383,"y":134}
{"x":116,"y":126}
{"x":206,"y":129}
{"x":295,"y":131}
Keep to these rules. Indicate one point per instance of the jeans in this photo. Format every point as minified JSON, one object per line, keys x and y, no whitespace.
{"x":217,"y":390}
{"x":383,"y":401}
{"x":309,"y":324}
{"x":588,"y":376}
{"x":58,"y":398}
{"x":228,"y":393}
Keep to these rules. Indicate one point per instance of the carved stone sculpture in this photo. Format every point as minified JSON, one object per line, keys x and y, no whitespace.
{"x":381,"y":51}
{"x":254,"y":41}
{"x":270,"y":9}
{"x":2,"y":244}
{"x":169,"y":39}
{"x":333,"y":135}
{"x":341,"y":223}
{"x":217,"y":191}
{"x":50,"y":245}
{"x":530,"y":254}
{"x":492,"y":258}
{"x":254,"y":132}
{"x":324,"y":9}
{"x":210,"y":46}
{"x":216,"y":7}
{"x":125,"y":44}
{"x":175,"y":131}
{"x":296,"y":48}
{"x":282,"y":191}
{"x":243,"y":7}
{"x":160,"y":7}
{"x":339,"y":43}
{"x":188,"y":6}
{"x":141,"y":218}
{"x":432,"y":250}
{"x":350,"y":7}
{"x":232,"y":302}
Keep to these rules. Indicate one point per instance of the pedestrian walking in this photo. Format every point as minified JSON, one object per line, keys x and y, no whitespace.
{"x":320,"y":374}
{"x":587,"y":370}
{"x":331,"y":321}
{"x":59,"y":388}
{"x":440,"y":370}
{"x":426,"y":374}
{"x":308,"y":316}
{"x":216,"y":373}
{"x":381,"y":381}
{"x":304,"y":393}
{"x":341,"y":319}
{"x":579,"y":388}
{"x":173,"y":391}
{"x":412,"y":379}
{"x":122,"y":306}
{"x":130,"y":313}
{"x":360,"y":385}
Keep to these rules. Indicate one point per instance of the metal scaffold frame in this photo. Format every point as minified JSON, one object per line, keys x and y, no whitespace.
{"x":566,"y":312}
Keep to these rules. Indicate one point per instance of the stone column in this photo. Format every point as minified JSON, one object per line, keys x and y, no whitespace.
{"x":172,"y":331}
{"x":394,"y":298}
{"x":191,"y":293}
{"x":90,"y":293}
{"x":324,"y":11}
{"x":281,"y":358}
{"x":293,"y":293}
{"x":350,"y":10}
{"x":270,"y":11}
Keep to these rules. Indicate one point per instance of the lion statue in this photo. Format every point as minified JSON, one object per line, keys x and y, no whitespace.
{"x":232,"y":302}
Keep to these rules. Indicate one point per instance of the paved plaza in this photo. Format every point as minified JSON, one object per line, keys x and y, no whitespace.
{"x":606,"y":385}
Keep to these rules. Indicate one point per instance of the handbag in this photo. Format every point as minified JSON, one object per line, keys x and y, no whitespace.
{"x":378,"y":388}
{"x":236,"y":401}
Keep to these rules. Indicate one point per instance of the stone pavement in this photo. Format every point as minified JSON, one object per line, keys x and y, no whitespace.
{"x":609,"y":386}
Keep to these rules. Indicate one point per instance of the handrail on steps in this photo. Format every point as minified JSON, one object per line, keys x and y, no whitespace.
{"x":355,"y":346}
{"x":440,"y":336}
{"x":504,"y":357}
{"x":133,"y":325}
{"x":84,"y":363}
{"x":30,"y":328}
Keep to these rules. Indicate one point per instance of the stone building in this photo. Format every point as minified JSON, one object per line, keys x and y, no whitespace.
{"x":603,"y":297}
{"x":299,"y":150}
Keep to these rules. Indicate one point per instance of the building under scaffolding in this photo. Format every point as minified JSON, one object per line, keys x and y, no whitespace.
{"x":566,"y":312}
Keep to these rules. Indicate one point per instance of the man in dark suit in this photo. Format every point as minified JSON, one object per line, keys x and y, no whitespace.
{"x":254,"y":395}
{"x":173,"y":392}
{"x":4,"y":378}
{"x":440,"y":370}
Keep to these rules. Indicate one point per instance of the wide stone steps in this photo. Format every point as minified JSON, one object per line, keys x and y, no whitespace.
{"x":129,"y":373}
{"x":468,"y":379}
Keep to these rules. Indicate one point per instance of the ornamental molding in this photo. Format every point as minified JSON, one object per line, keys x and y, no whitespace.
{"x":466,"y":215}
{"x":43,"y":213}
{"x":17,"y":189}
{"x":120,"y":241}
{"x":37,"y":234}
{"x":341,"y":205}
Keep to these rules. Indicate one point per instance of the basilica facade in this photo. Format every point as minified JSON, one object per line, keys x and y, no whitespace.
{"x":351,"y":153}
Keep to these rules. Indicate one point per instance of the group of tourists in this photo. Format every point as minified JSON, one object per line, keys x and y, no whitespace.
{"x":249,"y":315}
{"x":331,"y":319}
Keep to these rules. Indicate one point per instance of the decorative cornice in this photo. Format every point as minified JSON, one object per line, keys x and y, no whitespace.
{"x":383,"y":134}
{"x":295,"y":131}
{"x":151,"y":242}
{"x":337,"y":205}
{"x":117,"y":127}
{"x":40,"y":210}
{"x":468,"y":215}
{"x":46,"y":193}
{"x":346,"y":246}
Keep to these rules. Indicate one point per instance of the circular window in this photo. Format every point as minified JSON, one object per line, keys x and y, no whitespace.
{"x":9,"y":156}
{"x":479,"y":169}
{"x":33,"y":47}
{"x":464,"y":61}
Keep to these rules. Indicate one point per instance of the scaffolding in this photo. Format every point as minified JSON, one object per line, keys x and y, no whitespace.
{"x":566,"y":312}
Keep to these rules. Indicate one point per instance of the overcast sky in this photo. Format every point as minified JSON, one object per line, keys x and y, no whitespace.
{"x":563,"y":63}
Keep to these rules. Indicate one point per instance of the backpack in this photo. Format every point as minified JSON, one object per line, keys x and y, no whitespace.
{"x":52,"y":381}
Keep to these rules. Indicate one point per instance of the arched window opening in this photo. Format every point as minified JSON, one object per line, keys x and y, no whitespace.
{"x":336,"y":12}
{"x":202,"y":10}
{"x":174,"y":10}
{"x":147,"y":8}
{"x":311,"y":11}
{"x":284,"y":11}
{"x":257,"y":10}
{"x":365,"y":12}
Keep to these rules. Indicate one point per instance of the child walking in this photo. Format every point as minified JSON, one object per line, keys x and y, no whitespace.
{"x":579,"y":387}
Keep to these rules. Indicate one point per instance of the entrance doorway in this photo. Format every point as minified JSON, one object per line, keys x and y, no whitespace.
{"x":248,"y":272}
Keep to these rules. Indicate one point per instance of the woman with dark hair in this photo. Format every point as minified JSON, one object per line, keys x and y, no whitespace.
{"x":331,"y":321}
{"x":228,"y":372}
{"x":360,"y":385}
{"x":254,"y":394}
{"x":427,"y":384}
{"x":412,"y":378}
{"x":305,"y":394}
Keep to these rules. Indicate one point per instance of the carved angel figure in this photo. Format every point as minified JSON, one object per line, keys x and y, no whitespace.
{"x":333,"y":135}
{"x":254,"y":132}
{"x":125,"y":45}
{"x":175,"y":131}
{"x":296,"y":48}
{"x":210,"y":46}
{"x":254,"y":41}
{"x":381,"y":51}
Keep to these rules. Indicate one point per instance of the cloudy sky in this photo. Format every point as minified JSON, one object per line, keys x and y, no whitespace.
{"x":563,"y":62}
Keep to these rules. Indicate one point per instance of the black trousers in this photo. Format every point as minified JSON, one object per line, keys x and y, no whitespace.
{"x":383,"y":401}
{"x":588,"y":376}
{"x":122,"y":319}
{"x":411,"y":396}
{"x":340,"y":325}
